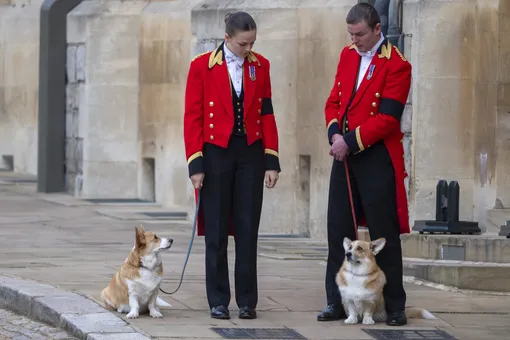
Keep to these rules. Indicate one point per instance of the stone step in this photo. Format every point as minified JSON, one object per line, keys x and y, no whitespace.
{"x":481,"y":276}
{"x":496,"y":218}
{"x":488,"y":247}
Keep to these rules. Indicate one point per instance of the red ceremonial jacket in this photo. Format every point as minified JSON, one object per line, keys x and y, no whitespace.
{"x":375,"y":110}
{"x":209,"y":111}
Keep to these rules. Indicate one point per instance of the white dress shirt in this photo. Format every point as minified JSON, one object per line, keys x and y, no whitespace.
{"x":235,"y":69}
{"x":366,"y":60}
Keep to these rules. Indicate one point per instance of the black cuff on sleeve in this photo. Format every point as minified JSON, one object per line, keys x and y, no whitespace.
{"x":333,"y":129}
{"x":267,"y":106}
{"x":196,"y":166}
{"x":392,"y":108}
{"x":272,"y":162}
{"x":351,"y":141}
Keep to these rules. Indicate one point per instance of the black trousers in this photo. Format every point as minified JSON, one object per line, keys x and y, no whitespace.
{"x":233,"y":186}
{"x":372,"y":179}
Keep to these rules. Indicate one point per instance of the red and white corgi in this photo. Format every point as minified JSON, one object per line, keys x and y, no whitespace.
{"x":135,"y":286}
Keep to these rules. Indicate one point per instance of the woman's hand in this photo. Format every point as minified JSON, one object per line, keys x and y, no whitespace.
{"x":271,"y":178}
{"x":198,"y":180}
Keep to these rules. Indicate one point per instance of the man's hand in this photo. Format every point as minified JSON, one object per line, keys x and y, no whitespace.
{"x":198,"y":180}
{"x":271,"y":178}
{"x":339,"y":148}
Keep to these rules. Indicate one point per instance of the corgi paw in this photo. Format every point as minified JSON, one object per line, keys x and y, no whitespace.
{"x":367,"y":320}
{"x":155,"y":314}
{"x":132,"y":315}
{"x":351,"y":320}
{"x":124,"y":309}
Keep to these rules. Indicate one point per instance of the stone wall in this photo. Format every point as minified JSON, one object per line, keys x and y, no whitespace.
{"x":502,"y":128}
{"x":166,"y":45}
{"x":455,"y":55}
{"x":19,"y":56}
{"x":445,"y":124}
{"x":127,"y":67}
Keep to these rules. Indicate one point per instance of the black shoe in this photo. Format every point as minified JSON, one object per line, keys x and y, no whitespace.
{"x":247,"y":313}
{"x":332,"y":313}
{"x":396,"y":319}
{"x":220,"y":312}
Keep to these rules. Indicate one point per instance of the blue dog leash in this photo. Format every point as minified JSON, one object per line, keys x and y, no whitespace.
{"x":189,"y":247}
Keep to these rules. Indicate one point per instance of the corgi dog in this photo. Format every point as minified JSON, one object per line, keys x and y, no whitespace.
{"x":361,"y":282}
{"x":135,"y":286}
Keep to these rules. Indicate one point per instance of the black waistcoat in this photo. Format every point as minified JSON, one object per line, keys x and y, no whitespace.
{"x":238,"y":101}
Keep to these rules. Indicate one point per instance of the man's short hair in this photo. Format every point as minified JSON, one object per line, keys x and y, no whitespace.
{"x":363,"y":12}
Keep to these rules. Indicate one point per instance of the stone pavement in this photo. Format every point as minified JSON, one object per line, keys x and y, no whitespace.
{"x":77,"y":246}
{"x":18,"y":327}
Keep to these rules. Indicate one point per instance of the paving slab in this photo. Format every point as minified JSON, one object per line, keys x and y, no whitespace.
{"x":70,"y":251}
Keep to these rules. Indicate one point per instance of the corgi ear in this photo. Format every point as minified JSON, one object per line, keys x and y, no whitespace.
{"x":377,"y":245}
{"x":347,"y":243}
{"x":140,"y":236}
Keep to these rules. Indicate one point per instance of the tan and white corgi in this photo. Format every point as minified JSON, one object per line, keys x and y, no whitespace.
{"x":135,"y":286}
{"x":361,"y":282}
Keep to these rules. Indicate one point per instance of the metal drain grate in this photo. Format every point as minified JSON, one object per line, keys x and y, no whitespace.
{"x":408,"y":334}
{"x":165,"y":215}
{"x":258,"y":333}
{"x":116,"y":200}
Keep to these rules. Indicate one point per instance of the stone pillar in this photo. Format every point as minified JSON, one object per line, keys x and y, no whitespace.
{"x":166,"y":49}
{"x":75,"y":90}
{"x":319,"y":43}
{"x":485,"y":55}
{"x":109,"y":101}
{"x":503,"y":108}
{"x":443,"y":99}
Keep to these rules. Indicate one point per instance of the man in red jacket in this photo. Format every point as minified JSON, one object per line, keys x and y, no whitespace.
{"x":363,"y":115}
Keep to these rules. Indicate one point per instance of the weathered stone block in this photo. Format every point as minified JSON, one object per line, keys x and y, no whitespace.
{"x":504,"y":95}
{"x":71,"y":64}
{"x":205,"y":45}
{"x":71,"y":100}
{"x":407,"y":144}
{"x":10,"y":298}
{"x":70,"y":183}
{"x":110,"y":179}
{"x":49,"y":308}
{"x":406,"y":122}
{"x":78,"y":156}
{"x":112,"y":113}
{"x":504,"y":57}
{"x":69,"y":124}
{"x":101,"y":322}
{"x":445,"y":123}
{"x":123,"y":336}
{"x":80,"y":63}
{"x":112,"y":47}
{"x":70,"y":146}
{"x":18,"y":295}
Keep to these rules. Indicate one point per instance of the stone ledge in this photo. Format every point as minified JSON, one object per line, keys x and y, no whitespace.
{"x":476,"y":248}
{"x":81,"y":317}
{"x":488,"y":277}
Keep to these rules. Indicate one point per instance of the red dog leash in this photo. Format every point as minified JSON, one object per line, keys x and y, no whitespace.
{"x":351,"y":201}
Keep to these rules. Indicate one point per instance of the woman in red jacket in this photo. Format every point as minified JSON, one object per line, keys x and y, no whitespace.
{"x":231,"y":143}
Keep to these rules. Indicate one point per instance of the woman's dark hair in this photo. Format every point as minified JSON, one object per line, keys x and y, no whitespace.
{"x":363,"y":12}
{"x":239,"y":22}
